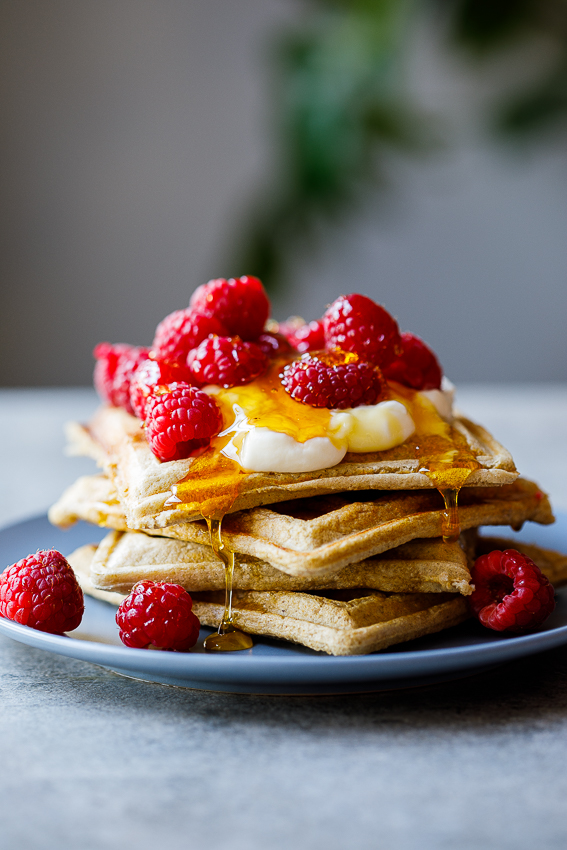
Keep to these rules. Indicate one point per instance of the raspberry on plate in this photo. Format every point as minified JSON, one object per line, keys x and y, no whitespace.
{"x":240,"y":304}
{"x":180,"y":421}
{"x":511,"y":593}
{"x":151,"y":374}
{"x":307,"y":337}
{"x":158,"y":614}
{"x":114,"y":368}
{"x":338,"y":386}
{"x":416,"y":367}
{"x":181,"y":331}
{"x":42,"y":591}
{"x":356,"y":323}
{"x":226,"y":361}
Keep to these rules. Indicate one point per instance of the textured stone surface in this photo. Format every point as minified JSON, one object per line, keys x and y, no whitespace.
{"x":91,"y":760}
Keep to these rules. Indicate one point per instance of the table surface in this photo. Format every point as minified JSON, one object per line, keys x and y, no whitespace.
{"x":92,"y":760}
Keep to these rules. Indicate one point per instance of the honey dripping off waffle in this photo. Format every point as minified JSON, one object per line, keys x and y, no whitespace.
{"x":369,"y":398}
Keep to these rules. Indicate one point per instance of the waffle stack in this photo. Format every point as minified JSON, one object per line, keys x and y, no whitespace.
{"x":346,"y":560}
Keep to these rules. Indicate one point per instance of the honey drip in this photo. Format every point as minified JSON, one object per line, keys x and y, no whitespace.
{"x":228,"y":638}
{"x":444,"y":455}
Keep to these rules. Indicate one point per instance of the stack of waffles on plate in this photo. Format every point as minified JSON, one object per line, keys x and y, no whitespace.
{"x":347,"y":559}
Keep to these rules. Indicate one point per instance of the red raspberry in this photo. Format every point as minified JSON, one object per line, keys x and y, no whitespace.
{"x":273,"y":344}
{"x":158,"y":614}
{"x":319,"y":384}
{"x":152,"y":374}
{"x":181,"y":331}
{"x":226,"y":361}
{"x":356,"y":323}
{"x":307,"y":337}
{"x":114,"y":369}
{"x":511,"y":594}
{"x":240,"y":304}
{"x":41,"y":591}
{"x":180,"y":421}
{"x":417,"y":366}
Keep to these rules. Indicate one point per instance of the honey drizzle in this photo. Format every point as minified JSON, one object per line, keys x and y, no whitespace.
{"x":445,"y":457}
{"x":228,"y":638}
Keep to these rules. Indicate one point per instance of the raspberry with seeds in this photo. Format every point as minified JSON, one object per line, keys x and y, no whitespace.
{"x":152,"y":374}
{"x":42,"y":591}
{"x":356,"y":323}
{"x":343,"y":385}
{"x":180,"y":421}
{"x":158,"y":614}
{"x":226,"y":361}
{"x":181,"y":331}
{"x":114,"y":369}
{"x":511,"y":593}
{"x":417,"y":366}
{"x":307,"y":337}
{"x":240,"y":304}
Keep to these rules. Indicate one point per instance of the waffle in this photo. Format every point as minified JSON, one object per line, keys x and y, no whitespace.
{"x":144,"y":485}
{"x":347,"y":622}
{"x":355,"y":622}
{"x":122,"y":559}
{"x":321,"y":535}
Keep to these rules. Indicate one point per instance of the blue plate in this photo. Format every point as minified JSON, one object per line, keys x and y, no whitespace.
{"x":274,"y":667}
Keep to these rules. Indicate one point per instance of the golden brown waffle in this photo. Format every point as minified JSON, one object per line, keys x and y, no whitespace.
{"x":92,"y":498}
{"x":347,"y":622}
{"x":320,"y":535}
{"x":122,"y":559}
{"x":354,"y":623}
{"x":116,"y":441}
{"x":357,"y":623}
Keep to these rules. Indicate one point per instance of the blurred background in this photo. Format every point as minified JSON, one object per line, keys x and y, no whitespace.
{"x":412,"y":150}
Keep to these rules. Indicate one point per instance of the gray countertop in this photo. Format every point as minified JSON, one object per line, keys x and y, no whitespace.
{"x":92,"y":760}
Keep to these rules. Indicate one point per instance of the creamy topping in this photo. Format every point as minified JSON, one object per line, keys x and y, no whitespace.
{"x":268,"y":431}
{"x":371,"y":428}
{"x":442,"y":399}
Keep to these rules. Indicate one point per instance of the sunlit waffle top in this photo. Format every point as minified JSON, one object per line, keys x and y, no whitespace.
{"x":319,"y":535}
{"x":426,"y":566}
{"x":150,"y":490}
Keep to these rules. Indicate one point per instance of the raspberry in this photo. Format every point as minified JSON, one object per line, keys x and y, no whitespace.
{"x":240,"y":304}
{"x":307,"y":337}
{"x":319,"y":384}
{"x":226,"y":361}
{"x":355,"y":323}
{"x":114,"y":369}
{"x":180,"y":421}
{"x":151,"y":374}
{"x":41,"y":591}
{"x":158,"y":614}
{"x":181,"y":331}
{"x":417,"y":366}
{"x":511,"y":594}
{"x":272,"y":344}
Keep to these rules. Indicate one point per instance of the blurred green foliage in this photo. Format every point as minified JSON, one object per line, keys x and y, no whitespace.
{"x":341,"y":104}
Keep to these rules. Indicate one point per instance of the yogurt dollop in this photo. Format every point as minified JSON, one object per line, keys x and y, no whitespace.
{"x":369,"y":428}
